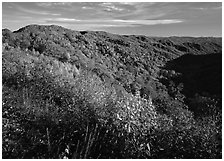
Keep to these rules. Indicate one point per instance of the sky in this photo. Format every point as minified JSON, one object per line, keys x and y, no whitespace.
{"x":129,"y":18}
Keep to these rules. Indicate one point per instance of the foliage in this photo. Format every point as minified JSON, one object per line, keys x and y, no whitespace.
{"x":69,"y":94}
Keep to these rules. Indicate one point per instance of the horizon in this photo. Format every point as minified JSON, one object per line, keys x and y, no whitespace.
{"x":161,"y":19}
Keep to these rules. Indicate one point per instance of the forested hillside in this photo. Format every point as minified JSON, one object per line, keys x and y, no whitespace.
{"x":89,"y":94}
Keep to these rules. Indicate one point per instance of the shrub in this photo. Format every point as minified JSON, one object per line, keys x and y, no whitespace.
{"x":51,"y":111}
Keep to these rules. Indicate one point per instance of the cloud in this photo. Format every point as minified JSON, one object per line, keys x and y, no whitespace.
{"x":216,"y":8}
{"x":85,"y":7}
{"x":39,"y":12}
{"x":109,"y":24}
{"x":55,"y":14}
{"x":112,"y":22}
{"x":62,"y":3}
{"x":124,"y":21}
{"x":208,"y":8}
{"x":200,"y":8}
{"x":137,"y":3}
{"x":44,"y":4}
{"x":107,"y":6}
{"x":141,"y":10}
{"x":51,"y":4}
{"x":128,"y":3}
{"x":156,"y":22}
{"x":145,"y":22}
{"x":36,"y":12}
{"x":63,"y":20}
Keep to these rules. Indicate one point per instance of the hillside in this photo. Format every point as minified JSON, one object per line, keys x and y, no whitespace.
{"x":85,"y":94}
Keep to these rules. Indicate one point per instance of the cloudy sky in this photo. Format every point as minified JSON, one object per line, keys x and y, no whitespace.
{"x":146,"y":18}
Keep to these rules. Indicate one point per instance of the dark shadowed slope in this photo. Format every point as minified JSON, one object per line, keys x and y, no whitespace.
{"x":200,"y":73}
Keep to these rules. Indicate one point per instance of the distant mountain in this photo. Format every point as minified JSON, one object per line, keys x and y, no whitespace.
{"x":170,"y":85}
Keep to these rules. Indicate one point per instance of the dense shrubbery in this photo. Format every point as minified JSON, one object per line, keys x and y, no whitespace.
{"x":52,"y":94}
{"x":49,"y":111}
{"x":62,"y":100}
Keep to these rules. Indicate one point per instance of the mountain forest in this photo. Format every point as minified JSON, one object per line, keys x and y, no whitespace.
{"x":93,"y":94}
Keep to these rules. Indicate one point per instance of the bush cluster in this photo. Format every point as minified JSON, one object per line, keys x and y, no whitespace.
{"x":53,"y":108}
